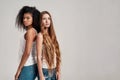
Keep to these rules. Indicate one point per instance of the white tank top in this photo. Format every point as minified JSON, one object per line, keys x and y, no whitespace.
{"x":32,"y":57}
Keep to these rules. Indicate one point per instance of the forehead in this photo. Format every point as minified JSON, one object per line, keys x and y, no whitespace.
{"x":27,"y":15}
{"x":45,"y":15}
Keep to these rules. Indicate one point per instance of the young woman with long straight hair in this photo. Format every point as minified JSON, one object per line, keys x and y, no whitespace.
{"x":48,"y":51}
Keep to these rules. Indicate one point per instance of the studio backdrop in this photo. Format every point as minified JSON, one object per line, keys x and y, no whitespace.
{"x":88,"y":32}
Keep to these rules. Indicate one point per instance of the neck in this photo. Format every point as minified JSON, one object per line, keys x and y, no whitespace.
{"x":29,"y":27}
{"x":45,"y":30}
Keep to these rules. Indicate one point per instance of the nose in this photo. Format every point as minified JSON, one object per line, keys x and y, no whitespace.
{"x":47,"y":21}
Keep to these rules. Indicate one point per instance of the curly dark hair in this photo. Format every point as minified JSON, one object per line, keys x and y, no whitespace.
{"x":35,"y":15}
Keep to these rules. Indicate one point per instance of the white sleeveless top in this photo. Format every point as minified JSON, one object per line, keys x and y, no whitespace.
{"x":32,"y":59}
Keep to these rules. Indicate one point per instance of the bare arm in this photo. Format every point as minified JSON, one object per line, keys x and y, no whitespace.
{"x":39,"y":54}
{"x":58,"y":74}
{"x":58,"y":70}
{"x":30,"y":36}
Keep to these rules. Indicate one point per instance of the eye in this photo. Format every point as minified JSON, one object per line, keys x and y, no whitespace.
{"x":44,"y":18}
{"x":27,"y":17}
{"x":49,"y":18}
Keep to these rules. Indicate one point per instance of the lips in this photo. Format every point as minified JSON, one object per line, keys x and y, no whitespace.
{"x":47,"y":24}
{"x":25,"y":22}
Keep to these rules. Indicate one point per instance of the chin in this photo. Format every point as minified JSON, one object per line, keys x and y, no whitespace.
{"x":26,"y":25}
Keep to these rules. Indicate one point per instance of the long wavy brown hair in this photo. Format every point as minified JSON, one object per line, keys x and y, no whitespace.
{"x":51,"y":45}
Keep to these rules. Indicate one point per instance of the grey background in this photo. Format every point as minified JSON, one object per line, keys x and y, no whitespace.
{"x":88,"y":32}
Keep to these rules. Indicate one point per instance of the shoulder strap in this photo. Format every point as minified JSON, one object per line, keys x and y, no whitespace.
{"x":35,"y":30}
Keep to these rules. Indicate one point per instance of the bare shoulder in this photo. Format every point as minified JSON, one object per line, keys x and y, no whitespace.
{"x":40,"y":36}
{"x":30,"y":33}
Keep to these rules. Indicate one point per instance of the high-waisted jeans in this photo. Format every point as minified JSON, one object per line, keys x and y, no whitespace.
{"x":49,"y":74}
{"x":28,"y":72}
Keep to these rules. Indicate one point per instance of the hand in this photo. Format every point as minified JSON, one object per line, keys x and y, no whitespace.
{"x":42,"y":78}
{"x":58,"y":76}
{"x":17,"y":74}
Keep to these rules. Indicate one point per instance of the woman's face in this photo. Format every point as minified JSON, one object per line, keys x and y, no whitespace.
{"x":46,"y":20}
{"x":27,"y":19}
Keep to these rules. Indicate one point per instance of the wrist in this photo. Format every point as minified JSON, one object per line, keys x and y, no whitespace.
{"x":41,"y":75}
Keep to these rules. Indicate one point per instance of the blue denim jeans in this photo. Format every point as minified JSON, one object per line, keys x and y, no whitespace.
{"x":49,"y":74}
{"x":28,"y":72}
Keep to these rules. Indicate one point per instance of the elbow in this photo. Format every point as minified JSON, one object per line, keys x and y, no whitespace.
{"x":27,"y":54}
{"x":38,"y":59}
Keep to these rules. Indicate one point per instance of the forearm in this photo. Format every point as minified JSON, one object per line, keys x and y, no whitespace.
{"x":58,"y":68}
{"x":39,"y":62}
{"x":23,"y":60}
{"x":58,"y":74}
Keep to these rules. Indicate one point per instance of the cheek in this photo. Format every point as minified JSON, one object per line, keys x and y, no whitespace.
{"x":43,"y":22}
{"x":31,"y":21}
{"x":49,"y":21}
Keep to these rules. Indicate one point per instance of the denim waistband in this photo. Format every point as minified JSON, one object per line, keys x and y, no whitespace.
{"x":49,"y":72}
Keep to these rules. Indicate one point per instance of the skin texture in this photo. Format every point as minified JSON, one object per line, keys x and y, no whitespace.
{"x":46,"y":21}
{"x":29,"y":37}
{"x":39,"y":51}
{"x":27,"y":19}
